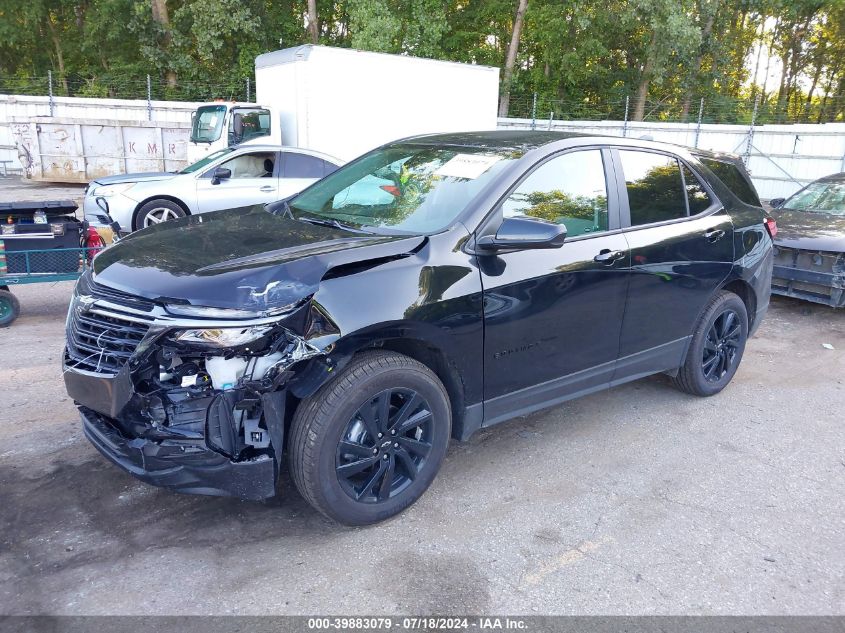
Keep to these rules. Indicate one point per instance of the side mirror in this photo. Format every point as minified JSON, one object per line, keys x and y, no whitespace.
{"x":776,"y":202}
{"x":523,"y":233}
{"x":221,"y":173}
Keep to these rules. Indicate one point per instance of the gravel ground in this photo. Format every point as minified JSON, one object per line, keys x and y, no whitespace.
{"x":639,"y":500}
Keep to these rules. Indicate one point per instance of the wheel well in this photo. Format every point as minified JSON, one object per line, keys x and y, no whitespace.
{"x":422,"y":352}
{"x":745,"y":292}
{"x":173,"y":199}
{"x":436,"y":361}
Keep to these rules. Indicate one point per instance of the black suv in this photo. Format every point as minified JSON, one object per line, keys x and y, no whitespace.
{"x":435,"y":286}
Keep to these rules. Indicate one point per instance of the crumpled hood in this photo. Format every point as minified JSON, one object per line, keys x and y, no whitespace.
{"x":139,"y":177}
{"x":810,"y":231}
{"x":242,"y":258}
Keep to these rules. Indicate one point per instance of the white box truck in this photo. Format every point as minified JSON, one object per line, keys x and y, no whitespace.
{"x":344,"y":102}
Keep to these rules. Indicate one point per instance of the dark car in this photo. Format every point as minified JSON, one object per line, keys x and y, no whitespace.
{"x":472,"y":278}
{"x":809,"y":248}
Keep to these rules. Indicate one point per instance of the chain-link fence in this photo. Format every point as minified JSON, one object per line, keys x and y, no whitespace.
{"x":130,"y":87}
{"x":761,"y":109}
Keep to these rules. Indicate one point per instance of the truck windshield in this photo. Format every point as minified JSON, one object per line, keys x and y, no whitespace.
{"x":208,"y":123}
{"x":407,"y":188}
{"x":202,"y":162}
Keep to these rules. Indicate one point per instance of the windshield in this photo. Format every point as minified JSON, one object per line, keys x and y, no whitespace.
{"x":202,"y":162}
{"x":407,"y":188}
{"x":819,"y":197}
{"x":208,"y":123}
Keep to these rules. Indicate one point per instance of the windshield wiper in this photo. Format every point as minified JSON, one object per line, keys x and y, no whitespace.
{"x":337,"y":224}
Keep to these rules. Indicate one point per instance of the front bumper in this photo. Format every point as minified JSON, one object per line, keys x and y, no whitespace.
{"x":120,"y":208}
{"x":182,"y":466}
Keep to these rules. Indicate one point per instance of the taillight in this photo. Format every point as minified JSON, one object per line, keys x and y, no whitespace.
{"x":393,"y":190}
{"x":771,"y":227}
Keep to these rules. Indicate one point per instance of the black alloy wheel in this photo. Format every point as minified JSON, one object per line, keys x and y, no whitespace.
{"x":368,"y":443}
{"x":721,"y":345}
{"x":716,"y":348}
{"x":384,"y":445}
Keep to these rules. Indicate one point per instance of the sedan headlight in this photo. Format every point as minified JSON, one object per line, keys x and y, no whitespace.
{"x":222,"y":337}
{"x":106,"y":191}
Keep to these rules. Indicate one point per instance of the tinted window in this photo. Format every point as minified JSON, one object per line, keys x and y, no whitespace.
{"x":328,"y":167}
{"x":697,"y":196}
{"x":734,"y":179}
{"x":568,"y":190}
{"x":254,"y":165}
{"x":303,"y":166}
{"x":655,"y":189}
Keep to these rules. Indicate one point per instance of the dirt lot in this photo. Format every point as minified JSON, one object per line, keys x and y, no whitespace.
{"x":637,"y":500}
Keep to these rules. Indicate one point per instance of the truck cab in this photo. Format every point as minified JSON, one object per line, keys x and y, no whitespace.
{"x":219,"y":124}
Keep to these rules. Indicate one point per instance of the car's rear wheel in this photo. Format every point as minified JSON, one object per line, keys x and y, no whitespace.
{"x":716,"y":348}
{"x":156,"y":212}
{"x":367,"y":445}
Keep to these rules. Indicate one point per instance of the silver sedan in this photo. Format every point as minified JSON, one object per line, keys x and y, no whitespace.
{"x":231,"y":177}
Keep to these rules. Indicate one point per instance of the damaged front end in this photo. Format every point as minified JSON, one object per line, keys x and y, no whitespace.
{"x":193,"y":403}
{"x":811,"y":275}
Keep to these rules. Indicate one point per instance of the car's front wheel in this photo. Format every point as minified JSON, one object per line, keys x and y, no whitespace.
{"x":717,"y":345}
{"x":367,"y":444}
{"x":156,"y":212}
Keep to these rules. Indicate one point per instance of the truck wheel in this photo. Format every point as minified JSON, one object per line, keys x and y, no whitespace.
{"x":717,"y":345}
{"x":367,"y":444}
{"x":10,"y":308}
{"x":156,"y":212}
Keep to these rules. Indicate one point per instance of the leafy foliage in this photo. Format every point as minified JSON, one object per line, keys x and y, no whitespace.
{"x":582,"y":58}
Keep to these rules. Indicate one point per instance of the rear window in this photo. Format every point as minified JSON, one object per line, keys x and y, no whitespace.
{"x":305,"y":166}
{"x":734,"y":179}
{"x":655,"y":188}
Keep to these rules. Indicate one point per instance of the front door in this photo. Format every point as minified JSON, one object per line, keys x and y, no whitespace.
{"x":681,"y":243}
{"x":552,"y":316}
{"x":254,"y":180}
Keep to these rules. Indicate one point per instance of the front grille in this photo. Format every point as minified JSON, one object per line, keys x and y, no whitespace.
{"x":101,"y":343}
{"x":88,"y":286}
{"x":98,"y":291}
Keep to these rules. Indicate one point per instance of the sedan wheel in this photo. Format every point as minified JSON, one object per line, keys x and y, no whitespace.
{"x":156,"y":212}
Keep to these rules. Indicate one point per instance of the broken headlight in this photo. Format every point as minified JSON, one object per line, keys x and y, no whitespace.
{"x":222,"y":337}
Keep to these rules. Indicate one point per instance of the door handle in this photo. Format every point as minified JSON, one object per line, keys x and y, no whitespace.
{"x":714,"y":235}
{"x":267,"y":188}
{"x":608,"y":257}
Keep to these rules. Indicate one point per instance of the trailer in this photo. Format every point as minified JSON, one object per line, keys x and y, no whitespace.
{"x":41,"y":242}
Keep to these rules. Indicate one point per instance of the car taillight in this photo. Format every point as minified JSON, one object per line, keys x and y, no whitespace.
{"x":771,"y":227}
{"x":393,"y":190}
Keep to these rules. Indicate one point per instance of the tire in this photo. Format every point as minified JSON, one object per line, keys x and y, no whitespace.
{"x":160,"y":208}
{"x":359,"y":496}
{"x":717,"y":345}
{"x":10,"y":308}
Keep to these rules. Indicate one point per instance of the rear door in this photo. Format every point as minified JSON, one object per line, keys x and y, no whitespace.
{"x":254,"y":180}
{"x":300,"y":170}
{"x":681,"y":243}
